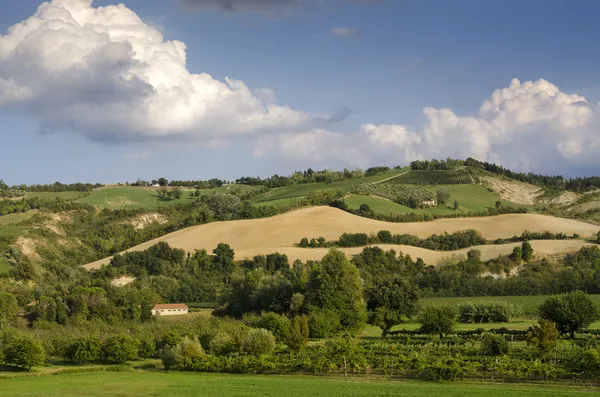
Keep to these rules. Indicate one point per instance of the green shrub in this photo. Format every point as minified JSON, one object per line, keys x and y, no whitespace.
{"x":222,"y":344}
{"x":21,"y":350}
{"x":186,"y":351}
{"x":299,"y":332}
{"x":86,"y":349}
{"x":147,"y":347}
{"x":120,"y":348}
{"x":167,"y":356}
{"x":543,"y":336}
{"x":276,"y":323}
{"x":258,"y":342}
{"x":323,"y":323}
{"x":571,"y":312}
{"x":493,"y":345}
{"x":437,"y":319}
{"x":484,"y":312}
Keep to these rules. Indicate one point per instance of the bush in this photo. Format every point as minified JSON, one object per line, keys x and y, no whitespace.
{"x":22,"y":350}
{"x":186,"y":351}
{"x":323,"y":323}
{"x":86,"y":349}
{"x":571,"y":312}
{"x":258,"y":342}
{"x":299,"y":332}
{"x":437,"y":319}
{"x":482,"y":312}
{"x":120,"y":348}
{"x":147,"y":347}
{"x":543,"y":336}
{"x":276,"y":323}
{"x":167,"y":356}
{"x":222,"y":344}
{"x":493,"y":345}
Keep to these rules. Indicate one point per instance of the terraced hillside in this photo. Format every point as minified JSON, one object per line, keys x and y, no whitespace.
{"x":282,"y":232}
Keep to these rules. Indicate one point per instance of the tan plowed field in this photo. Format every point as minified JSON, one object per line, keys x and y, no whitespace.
{"x":281,"y":232}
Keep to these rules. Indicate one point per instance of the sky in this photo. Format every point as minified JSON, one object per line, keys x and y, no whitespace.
{"x":110,"y":92}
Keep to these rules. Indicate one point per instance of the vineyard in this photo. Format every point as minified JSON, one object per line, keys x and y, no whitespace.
{"x":395,"y":192}
{"x":435,"y":177}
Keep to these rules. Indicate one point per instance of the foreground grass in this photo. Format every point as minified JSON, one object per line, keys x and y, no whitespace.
{"x":220,"y":385}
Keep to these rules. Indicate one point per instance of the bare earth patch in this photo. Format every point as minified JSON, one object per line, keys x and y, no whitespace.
{"x":147,"y":219}
{"x":27,"y":247}
{"x":565,"y":198}
{"x":121,"y":281}
{"x":511,"y":190}
{"x":282,"y":232}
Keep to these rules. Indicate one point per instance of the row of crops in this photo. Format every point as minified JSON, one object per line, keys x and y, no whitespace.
{"x":398,"y":193}
{"x":435,"y":177}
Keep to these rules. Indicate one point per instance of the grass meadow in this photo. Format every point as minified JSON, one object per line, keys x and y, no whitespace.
{"x":131,"y":197}
{"x":4,"y":265}
{"x":53,"y":195}
{"x":133,"y":384}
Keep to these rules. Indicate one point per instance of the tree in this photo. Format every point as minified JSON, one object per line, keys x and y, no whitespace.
{"x":527,"y":251}
{"x":517,"y":255}
{"x":364,"y":209}
{"x":120,"y":348}
{"x":3,"y":186}
{"x":86,"y":349}
{"x":186,"y":351}
{"x":303,"y":242}
{"x":443,"y":195}
{"x":224,"y":258}
{"x":391,"y":301}
{"x":299,"y":332}
{"x":543,"y":336}
{"x":177,"y":192}
{"x":493,"y":345}
{"x":335,"y":284}
{"x":474,"y":255}
{"x":146,"y":311}
{"x":437,"y":319}
{"x":498,"y":204}
{"x":598,"y":238}
{"x":8,"y":309}
{"x":571,"y":312}
{"x":163,"y":182}
{"x":46,"y":309}
{"x":22,"y":350}
{"x":455,"y":204}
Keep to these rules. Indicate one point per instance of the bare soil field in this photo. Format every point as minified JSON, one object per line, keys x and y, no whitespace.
{"x":511,"y":190}
{"x":282,"y":232}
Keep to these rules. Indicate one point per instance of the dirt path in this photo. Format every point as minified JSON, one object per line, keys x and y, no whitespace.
{"x":267,"y":235}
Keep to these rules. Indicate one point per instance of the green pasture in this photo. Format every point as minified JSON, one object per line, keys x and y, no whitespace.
{"x":104,"y":384}
{"x":470,"y":198}
{"x":53,"y":195}
{"x":304,"y":189}
{"x":4,"y":265}
{"x":13,"y":231}
{"x":16,"y":218}
{"x":131,"y":197}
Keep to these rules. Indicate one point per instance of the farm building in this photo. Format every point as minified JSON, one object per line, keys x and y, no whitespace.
{"x":171,"y":309}
{"x":429,"y":203}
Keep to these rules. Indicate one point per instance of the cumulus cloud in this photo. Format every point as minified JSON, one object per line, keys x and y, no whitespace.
{"x":106,"y":74}
{"x":345,"y":31}
{"x":529,"y":125}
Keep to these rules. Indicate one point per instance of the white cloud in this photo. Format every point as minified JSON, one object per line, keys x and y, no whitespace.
{"x":345,"y":31}
{"x":105,"y":73}
{"x":530,"y":125}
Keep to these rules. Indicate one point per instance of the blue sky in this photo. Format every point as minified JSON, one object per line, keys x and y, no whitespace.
{"x":403,"y":56}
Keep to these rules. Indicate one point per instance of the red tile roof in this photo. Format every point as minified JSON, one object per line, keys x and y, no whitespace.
{"x":170,"y":306}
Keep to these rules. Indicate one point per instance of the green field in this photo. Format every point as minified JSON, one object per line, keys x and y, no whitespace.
{"x":13,"y":231}
{"x":304,"y":189}
{"x":220,"y":385}
{"x":16,"y":218}
{"x":4,"y":265}
{"x":434,"y":177}
{"x":131,"y":197}
{"x":529,"y":303}
{"x":53,"y":195}
{"x":469,"y":197}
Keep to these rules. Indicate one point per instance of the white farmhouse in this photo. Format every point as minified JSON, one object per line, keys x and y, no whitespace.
{"x":429,"y":203}
{"x":170,"y":309}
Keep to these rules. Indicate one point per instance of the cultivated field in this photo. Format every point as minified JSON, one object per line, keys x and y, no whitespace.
{"x":131,"y":197}
{"x":305,"y":188}
{"x":435,"y":177}
{"x":221,"y":385}
{"x":282,"y":232}
{"x":16,"y":218}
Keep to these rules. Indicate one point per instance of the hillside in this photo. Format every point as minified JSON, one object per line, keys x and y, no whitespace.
{"x":282,"y":232}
